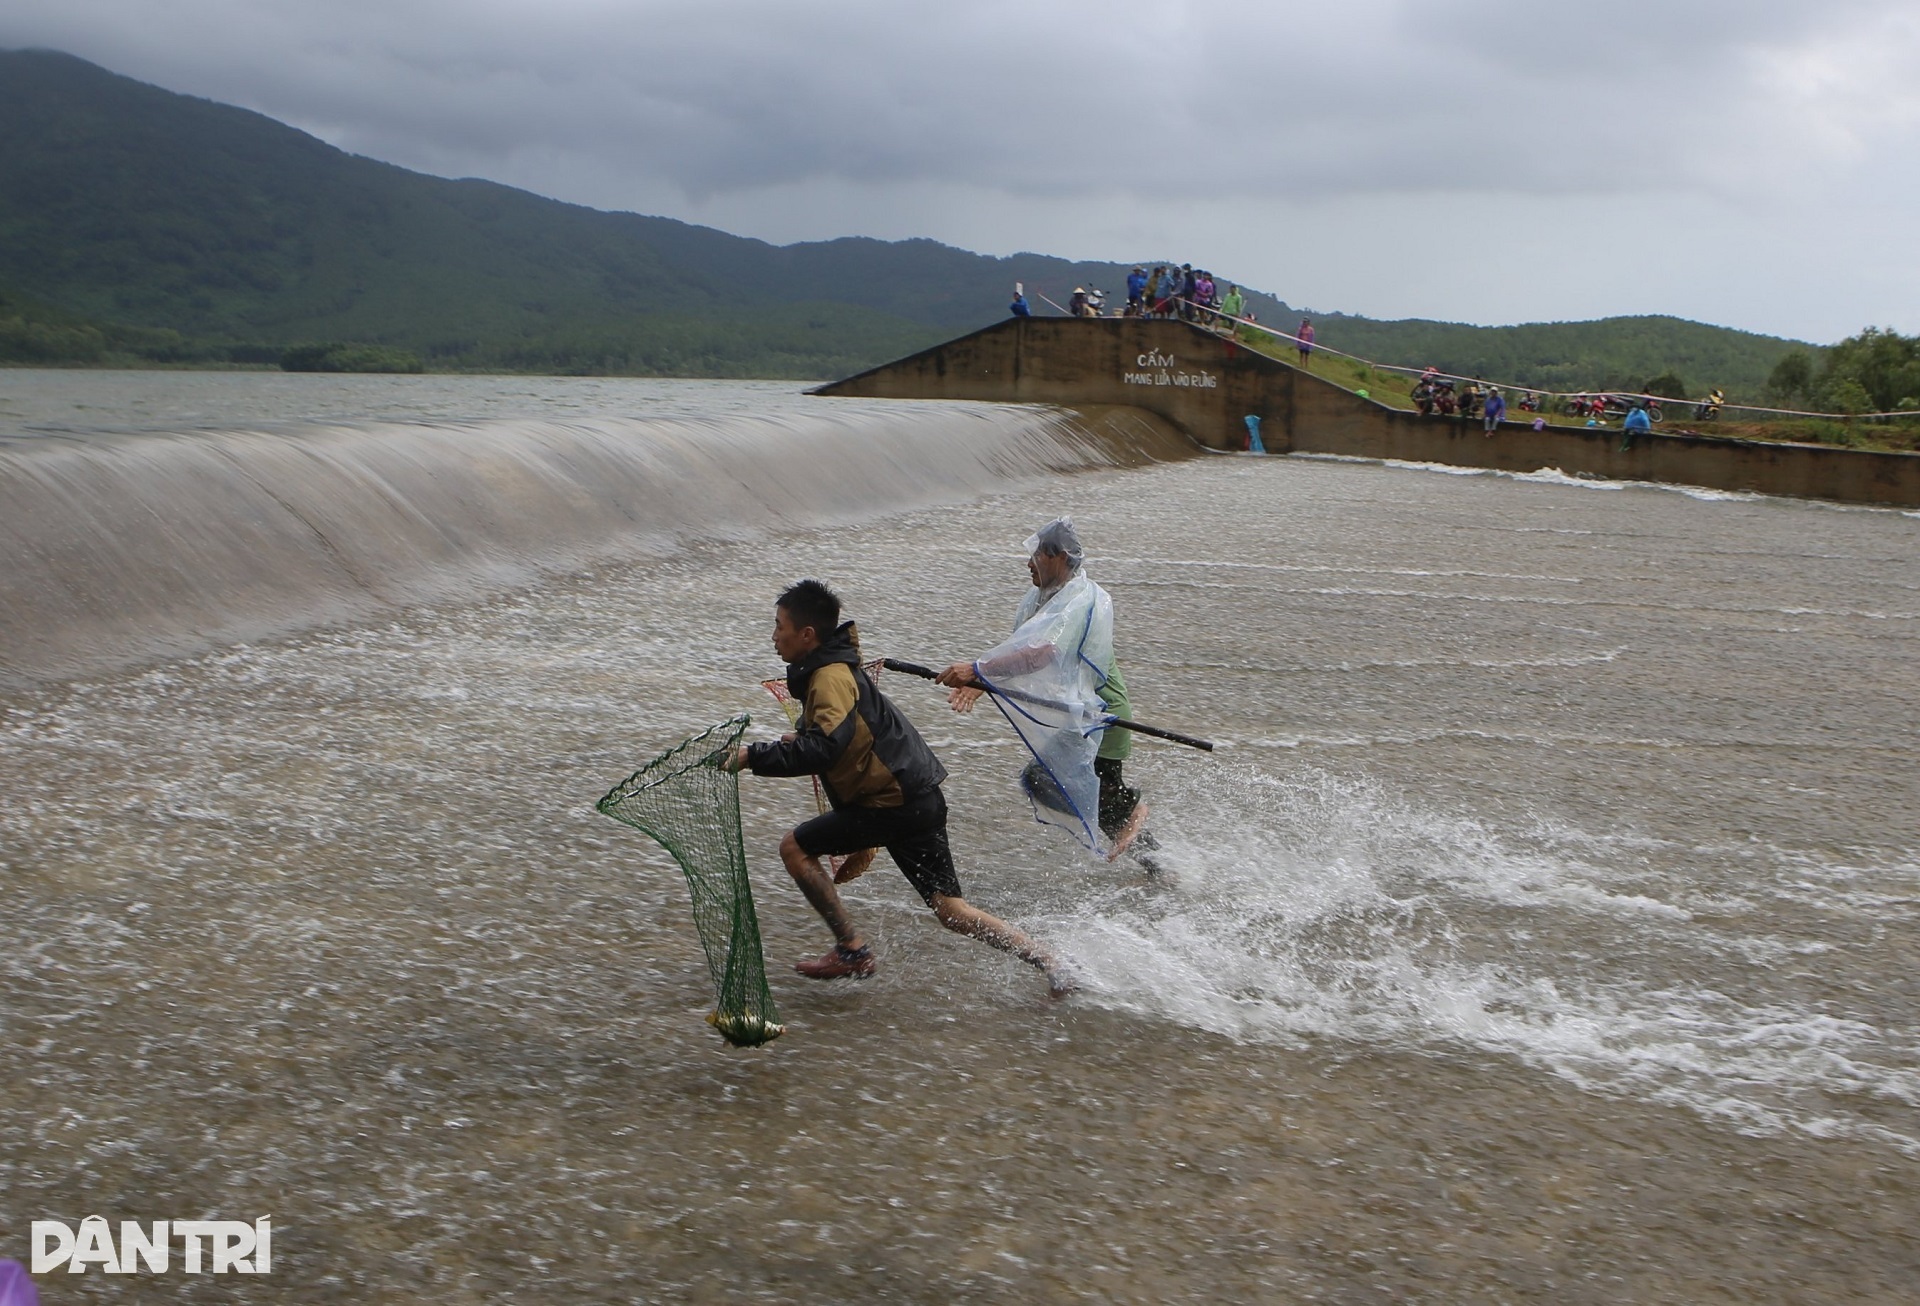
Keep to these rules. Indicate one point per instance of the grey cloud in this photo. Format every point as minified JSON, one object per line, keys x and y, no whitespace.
{"x":1053,"y":100}
{"x":722,"y":107}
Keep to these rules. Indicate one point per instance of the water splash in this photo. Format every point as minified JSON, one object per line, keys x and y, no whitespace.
{"x":1320,"y":906}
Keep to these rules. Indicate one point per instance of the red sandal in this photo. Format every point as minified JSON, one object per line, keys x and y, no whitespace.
{"x":840,"y":963}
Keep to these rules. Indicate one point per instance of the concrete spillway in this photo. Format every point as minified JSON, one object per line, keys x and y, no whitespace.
{"x":1207,"y":386}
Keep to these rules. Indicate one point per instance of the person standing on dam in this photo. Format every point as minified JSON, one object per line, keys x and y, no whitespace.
{"x":1203,"y":295}
{"x":1303,"y":341}
{"x":1496,"y":409}
{"x":1166,"y":300}
{"x":1234,"y":305}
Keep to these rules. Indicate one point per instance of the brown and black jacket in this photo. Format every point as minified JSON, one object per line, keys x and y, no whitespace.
{"x":850,"y":734}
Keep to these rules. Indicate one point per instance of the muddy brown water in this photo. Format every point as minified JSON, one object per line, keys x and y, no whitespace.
{"x":1546,"y":924}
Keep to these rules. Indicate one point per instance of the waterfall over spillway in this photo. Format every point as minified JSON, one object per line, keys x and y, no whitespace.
{"x":156,"y":543}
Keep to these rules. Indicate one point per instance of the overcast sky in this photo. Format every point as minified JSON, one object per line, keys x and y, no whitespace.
{"x":1748,"y":162}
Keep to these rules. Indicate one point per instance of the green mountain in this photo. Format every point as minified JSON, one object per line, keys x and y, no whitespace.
{"x":34,"y":332}
{"x":132,"y":210}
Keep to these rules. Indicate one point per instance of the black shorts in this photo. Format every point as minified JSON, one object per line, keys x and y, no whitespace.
{"x":914,"y":835}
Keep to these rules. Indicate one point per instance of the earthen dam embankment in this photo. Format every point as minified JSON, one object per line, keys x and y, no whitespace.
{"x":1207,"y":386}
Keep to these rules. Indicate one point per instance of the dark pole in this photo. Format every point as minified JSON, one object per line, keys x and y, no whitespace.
{"x":1173,"y":736}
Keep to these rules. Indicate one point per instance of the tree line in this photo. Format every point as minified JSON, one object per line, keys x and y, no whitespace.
{"x":1877,"y":371}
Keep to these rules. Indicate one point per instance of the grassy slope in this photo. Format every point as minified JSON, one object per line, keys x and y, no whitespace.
{"x":1394,"y":390}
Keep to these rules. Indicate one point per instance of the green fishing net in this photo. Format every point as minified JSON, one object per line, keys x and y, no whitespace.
{"x":684,"y":800}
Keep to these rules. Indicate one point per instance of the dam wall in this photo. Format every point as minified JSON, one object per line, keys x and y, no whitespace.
{"x":120,"y":549}
{"x":1206,"y":386}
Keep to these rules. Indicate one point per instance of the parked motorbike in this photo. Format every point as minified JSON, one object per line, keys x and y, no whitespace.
{"x":1611,"y":406}
{"x":1621,"y":405}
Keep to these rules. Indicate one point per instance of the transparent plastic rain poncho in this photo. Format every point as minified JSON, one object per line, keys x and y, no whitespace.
{"x":1046,"y":679}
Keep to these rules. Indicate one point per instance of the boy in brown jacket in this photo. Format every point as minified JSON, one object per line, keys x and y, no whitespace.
{"x":882,"y":784}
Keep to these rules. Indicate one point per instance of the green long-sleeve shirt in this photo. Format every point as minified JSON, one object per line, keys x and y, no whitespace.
{"x":1116,"y":743}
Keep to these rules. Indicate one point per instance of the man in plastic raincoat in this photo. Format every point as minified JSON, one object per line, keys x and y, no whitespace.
{"x":1058,"y":684}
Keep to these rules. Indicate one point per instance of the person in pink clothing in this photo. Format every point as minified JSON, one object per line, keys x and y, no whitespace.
{"x":1304,"y":340}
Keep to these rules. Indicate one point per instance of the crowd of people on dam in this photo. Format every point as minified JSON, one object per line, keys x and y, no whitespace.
{"x":1184,"y":293}
{"x":1189,"y":294}
{"x":1436,"y":394}
{"x":1179,"y":293}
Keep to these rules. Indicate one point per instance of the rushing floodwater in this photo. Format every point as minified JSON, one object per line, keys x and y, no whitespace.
{"x":1546,"y":930}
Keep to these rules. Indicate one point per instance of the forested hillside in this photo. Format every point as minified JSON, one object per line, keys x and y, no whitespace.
{"x":133,"y":210}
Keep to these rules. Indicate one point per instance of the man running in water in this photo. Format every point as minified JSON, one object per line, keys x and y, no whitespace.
{"x":882,"y":783}
{"x":1064,"y":599}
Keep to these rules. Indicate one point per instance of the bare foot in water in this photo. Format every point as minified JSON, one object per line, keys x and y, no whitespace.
{"x":1128,"y":832}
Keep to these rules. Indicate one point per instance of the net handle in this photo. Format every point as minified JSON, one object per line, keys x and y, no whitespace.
{"x":1137,"y":727}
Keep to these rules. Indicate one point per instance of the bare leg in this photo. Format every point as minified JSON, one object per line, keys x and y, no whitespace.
{"x":817,"y":885}
{"x":962,"y":917}
{"x":1122,"y":839}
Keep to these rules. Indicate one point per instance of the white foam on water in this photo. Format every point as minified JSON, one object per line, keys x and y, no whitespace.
{"x":1349,"y":569}
{"x":1448,"y":469}
{"x":1554,"y":476}
{"x":1549,"y":476}
{"x":1319,"y":906}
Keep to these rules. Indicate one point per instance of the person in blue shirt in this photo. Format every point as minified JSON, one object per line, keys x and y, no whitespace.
{"x":1495,"y":410}
{"x":1136,"y":292}
{"x":1019,"y":306}
{"x":1636,"y":423}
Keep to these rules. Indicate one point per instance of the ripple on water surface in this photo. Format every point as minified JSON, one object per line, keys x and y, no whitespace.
{"x":1537,"y":898}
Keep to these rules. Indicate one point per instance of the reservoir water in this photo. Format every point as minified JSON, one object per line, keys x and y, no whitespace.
{"x":1546,"y":928}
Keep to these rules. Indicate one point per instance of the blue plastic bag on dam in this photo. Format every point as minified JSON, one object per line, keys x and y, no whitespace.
{"x":1253,"y":435}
